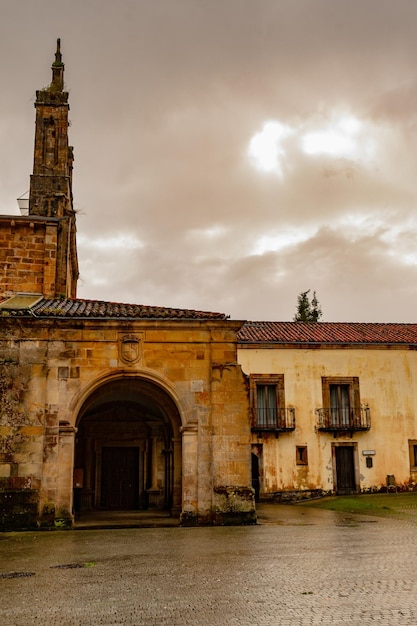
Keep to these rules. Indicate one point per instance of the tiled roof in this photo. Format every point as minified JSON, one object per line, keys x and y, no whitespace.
{"x":327,"y":333}
{"x":95,"y":309}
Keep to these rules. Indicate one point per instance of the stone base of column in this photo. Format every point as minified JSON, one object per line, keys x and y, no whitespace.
{"x":234,"y":505}
{"x":19,"y":509}
{"x":155,"y":497}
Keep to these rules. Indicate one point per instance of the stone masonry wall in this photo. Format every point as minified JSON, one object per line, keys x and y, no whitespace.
{"x":233,"y":496}
{"x":27,"y":256}
{"x":21,"y":444}
{"x":48,"y":368}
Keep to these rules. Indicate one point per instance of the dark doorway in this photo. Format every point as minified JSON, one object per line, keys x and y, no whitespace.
{"x":255,"y":476}
{"x":128,"y":448}
{"x":345,"y":470}
{"x":119,"y":478}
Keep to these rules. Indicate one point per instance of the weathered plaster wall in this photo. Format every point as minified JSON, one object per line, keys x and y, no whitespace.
{"x":387,"y":379}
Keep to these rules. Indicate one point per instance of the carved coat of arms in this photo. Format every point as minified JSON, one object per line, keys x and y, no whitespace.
{"x":130,"y":348}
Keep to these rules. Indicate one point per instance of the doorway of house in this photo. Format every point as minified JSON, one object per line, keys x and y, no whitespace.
{"x":345,"y":470}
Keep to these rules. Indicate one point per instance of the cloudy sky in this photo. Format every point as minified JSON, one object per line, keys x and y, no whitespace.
{"x":229,"y":154}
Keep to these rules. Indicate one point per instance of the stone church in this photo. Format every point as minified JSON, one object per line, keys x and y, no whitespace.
{"x":121,"y":407}
{"x":107,"y":406}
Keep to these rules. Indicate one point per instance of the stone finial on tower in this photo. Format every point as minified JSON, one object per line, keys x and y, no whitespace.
{"x":58,"y":69}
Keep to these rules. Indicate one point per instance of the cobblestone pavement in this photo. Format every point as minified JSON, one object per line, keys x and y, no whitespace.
{"x":298,"y":567}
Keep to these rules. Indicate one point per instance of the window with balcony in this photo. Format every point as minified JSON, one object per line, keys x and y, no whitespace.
{"x":342,"y":409}
{"x":268,"y":404}
{"x":340,"y":404}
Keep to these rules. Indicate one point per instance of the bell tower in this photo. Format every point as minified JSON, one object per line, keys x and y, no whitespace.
{"x":50,"y":185}
{"x":50,"y":194}
{"x":39,"y":250}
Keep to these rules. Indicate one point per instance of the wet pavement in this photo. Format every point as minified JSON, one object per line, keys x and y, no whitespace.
{"x":299,"y":566}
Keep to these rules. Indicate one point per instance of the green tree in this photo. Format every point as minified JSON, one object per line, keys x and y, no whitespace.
{"x":307,"y":310}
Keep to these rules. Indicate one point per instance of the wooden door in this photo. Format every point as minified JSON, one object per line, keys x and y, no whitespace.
{"x":345,"y":470}
{"x":119,"y":478}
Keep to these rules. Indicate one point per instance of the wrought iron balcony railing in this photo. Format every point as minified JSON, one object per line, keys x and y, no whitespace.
{"x":335,"y":419}
{"x":273,"y":420}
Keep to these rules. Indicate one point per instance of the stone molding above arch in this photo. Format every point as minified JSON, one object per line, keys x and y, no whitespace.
{"x":144,"y":374}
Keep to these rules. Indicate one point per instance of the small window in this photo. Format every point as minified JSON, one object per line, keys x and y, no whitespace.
{"x":301,"y":455}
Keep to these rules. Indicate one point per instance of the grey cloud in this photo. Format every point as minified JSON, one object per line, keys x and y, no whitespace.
{"x":165,"y":97}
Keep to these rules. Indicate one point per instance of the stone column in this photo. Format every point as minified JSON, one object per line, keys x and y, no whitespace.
{"x":88,"y":487}
{"x":154,"y":465}
{"x":189,"y":514}
{"x":176,"y":487}
{"x":154,"y":491}
{"x":63,"y":512}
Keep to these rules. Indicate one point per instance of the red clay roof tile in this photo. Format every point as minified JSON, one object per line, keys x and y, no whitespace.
{"x":328,"y":333}
{"x":96,"y":309}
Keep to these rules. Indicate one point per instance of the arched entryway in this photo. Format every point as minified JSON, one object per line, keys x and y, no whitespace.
{"x":128,"y":449}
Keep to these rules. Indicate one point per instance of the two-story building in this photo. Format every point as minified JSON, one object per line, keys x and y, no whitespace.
{"x":333,"y":406}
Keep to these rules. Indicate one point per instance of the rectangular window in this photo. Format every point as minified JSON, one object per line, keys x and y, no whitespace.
{"x":341,"y":404}
{"x":267,"y":401}
{"x":301,"y":457}
{"x":266,"y":405}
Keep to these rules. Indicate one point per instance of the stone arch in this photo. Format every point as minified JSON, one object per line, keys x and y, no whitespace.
{"x":78,"y":401}
{"x":127,"y":451}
